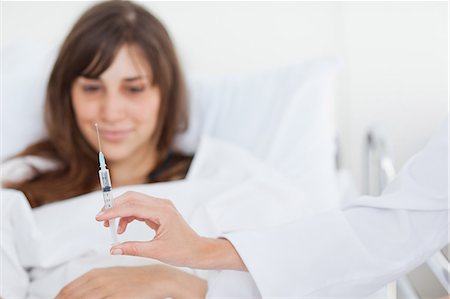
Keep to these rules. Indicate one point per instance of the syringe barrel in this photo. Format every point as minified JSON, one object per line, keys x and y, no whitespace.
{"x":105,"y":180}
{"x":108,"y":199}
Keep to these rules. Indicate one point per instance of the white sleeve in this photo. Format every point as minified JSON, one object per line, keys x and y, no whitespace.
{"x":355,"y":251}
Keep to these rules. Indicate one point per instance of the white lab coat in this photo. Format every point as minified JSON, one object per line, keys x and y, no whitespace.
{"x":353,"y":252}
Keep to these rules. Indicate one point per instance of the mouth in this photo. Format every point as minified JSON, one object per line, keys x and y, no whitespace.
{"x":115,"y":135}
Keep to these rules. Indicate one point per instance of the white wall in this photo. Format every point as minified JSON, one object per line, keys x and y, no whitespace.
{"x":395,"y":53}
{"x":397,"y":74}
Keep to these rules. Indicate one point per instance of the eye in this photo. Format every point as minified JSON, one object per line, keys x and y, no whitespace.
{"x":90,"y":88}
{"x":135,"y":89}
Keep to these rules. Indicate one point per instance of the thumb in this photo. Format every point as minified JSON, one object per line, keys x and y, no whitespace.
{"x":143,"y":248}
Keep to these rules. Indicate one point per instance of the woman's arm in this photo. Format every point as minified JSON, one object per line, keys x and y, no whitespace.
{"x":156,"y":281}
{"x":219,"y":254}
{"x":175,"y":242}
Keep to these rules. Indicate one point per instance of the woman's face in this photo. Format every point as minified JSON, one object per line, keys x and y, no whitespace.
{"x":123,"y":103}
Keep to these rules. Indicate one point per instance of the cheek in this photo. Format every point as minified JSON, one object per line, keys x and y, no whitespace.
{"x":85,"y":116}
{"x":85,"y":111}
{"x":154,"y":111}
{"x":147,"y":114}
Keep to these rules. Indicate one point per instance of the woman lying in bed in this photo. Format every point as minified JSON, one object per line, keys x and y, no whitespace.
{"x":118,"y":68}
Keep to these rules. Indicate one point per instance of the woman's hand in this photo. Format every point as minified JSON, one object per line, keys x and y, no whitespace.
{"x":175,"y":242}
{"x":157,"y":281}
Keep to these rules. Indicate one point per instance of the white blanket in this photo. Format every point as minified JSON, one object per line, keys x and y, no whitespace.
{"x":227,"y":189}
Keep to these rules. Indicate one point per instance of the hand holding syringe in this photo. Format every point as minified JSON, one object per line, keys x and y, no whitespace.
{"x":105,"y":182}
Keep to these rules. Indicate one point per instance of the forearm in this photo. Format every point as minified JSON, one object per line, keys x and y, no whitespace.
{"x":218,"y":254}
{"x":185,"y":285}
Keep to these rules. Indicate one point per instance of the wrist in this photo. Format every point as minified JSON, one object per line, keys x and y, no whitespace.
{"x":219,"y":254}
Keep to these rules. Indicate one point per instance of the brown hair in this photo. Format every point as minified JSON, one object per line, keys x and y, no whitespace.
{"x":89,"y":50}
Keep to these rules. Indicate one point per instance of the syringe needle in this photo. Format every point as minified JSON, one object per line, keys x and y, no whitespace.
{"x":98,"y":138}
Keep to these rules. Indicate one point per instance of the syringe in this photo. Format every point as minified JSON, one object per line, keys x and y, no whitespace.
{"x":105,"y":182}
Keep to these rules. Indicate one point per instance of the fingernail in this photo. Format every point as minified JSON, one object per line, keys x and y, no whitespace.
{"x":116,"y":251}
{"x":100,"y":214}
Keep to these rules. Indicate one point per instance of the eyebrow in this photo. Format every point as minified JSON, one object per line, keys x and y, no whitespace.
{"x":129,"y":79}
{"x":133,"y":78}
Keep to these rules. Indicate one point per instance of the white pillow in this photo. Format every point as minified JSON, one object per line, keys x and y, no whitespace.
{"x":25,"y":72}
{"x":282,"y":115}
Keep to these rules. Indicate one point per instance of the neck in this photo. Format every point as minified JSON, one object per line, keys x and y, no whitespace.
{"x":134,"y":170}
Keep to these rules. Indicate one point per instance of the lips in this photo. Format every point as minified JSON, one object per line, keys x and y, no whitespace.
{"x":115,"y":135}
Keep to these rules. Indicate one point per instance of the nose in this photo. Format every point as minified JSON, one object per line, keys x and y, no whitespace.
{"x":113,"y":108}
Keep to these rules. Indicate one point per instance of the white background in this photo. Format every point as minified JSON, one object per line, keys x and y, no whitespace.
{"x":395,"y":54}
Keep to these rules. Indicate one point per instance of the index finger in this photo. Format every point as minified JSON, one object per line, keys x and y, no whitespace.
{"x":132,"y":204}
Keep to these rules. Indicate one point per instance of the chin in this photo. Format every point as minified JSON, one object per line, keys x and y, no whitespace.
{"x":115,"y":156}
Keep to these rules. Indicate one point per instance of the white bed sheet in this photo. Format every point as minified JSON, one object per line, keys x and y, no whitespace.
{"x":226,"y":189}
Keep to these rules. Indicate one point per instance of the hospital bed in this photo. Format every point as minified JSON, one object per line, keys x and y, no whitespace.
{"x":282,"y":116}
{"x":378,"y":171}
